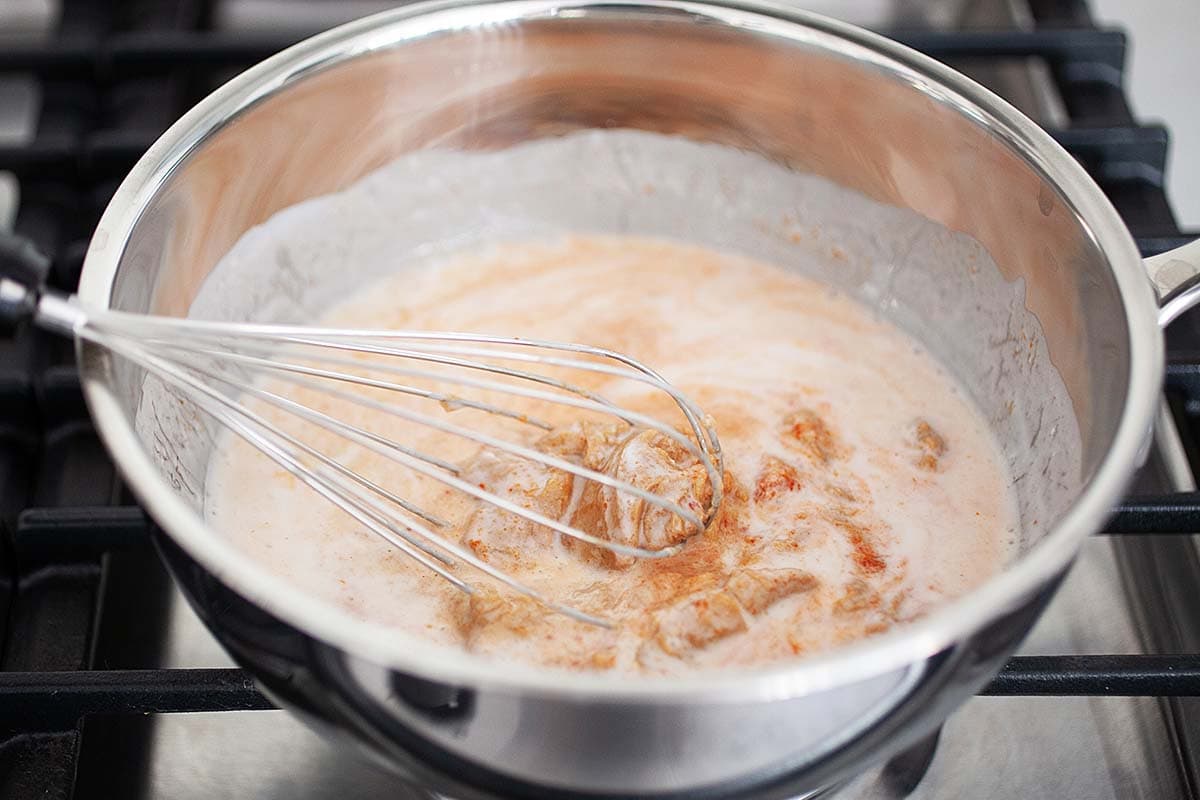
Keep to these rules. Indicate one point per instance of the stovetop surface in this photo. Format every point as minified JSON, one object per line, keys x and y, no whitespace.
{"x":80,"y":587}
{"x":994,"y":748}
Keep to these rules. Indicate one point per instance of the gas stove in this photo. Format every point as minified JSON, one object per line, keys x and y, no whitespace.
{"x":109,"y":685}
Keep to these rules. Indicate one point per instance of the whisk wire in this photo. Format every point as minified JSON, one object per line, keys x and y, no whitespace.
{"x":228,"y":411}
{"x":262,"y":435}
{"x":165,"y":347}
{"x":504,"y":446}
{"x":330,"y":337}
{"x":445,"y":400}
{"x":588,"y":401}
{"x":429,"y":468}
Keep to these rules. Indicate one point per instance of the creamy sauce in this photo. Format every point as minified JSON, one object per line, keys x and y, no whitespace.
{"x":863,"y":489}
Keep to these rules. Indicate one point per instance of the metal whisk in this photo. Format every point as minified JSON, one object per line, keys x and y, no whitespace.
{"x":194,"y":357}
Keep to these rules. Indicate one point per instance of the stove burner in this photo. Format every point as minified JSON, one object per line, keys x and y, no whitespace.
{"x":86,"y":610}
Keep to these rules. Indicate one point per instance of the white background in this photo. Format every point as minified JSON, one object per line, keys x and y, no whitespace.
{"x":1163,"y":83}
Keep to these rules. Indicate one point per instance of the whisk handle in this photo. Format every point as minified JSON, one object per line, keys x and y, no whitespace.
{"x":17,"y":305}
{"x":23,"y":271}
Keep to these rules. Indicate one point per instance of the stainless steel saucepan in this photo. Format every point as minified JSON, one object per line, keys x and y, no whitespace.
{"x":1020,"y":276}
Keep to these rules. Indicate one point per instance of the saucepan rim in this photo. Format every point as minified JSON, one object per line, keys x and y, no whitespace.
{"x":902,"y":647}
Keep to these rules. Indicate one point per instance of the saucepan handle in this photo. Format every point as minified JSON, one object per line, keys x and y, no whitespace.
{"x":1176,"y":278}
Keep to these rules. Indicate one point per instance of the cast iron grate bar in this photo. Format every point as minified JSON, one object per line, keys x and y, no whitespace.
{"x":1119,"y":152}
{"x":69,"y":695}
{"x":1099,"y":676}
{"x":1122,"y":152}
{"x":1153,"y":245}
{"x":130,"y":54}
{"x":75,"y":694}
{"x":1104,"y":48}
{"x":90,"y":530}
{"x":1171,"y":513}
{"x":72,"y":533}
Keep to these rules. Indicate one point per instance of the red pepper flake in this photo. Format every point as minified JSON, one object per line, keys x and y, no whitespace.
{"x":865,"y":554}
{"x":776,"y":478}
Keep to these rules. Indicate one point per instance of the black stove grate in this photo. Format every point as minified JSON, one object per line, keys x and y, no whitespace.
{"x":79,"y":582}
